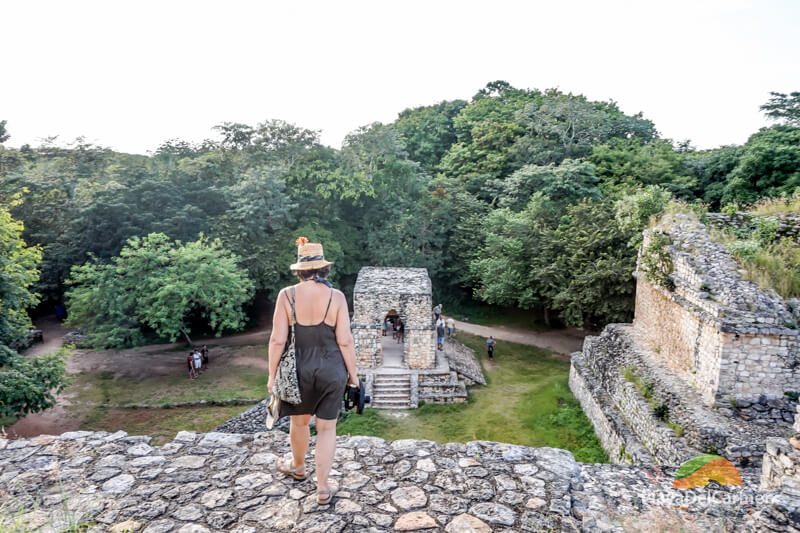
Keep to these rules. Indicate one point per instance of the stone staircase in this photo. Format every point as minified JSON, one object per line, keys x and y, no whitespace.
{"x":391,"y":391}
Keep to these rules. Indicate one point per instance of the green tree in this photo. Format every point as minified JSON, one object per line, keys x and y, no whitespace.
{"x":785,"y":107}
{"x":560,"y":126}
{"x":158,"y":284}
{"x":626,"y":164}
{"x":258,"y":225}
{"x":19,"y":270}
{"x":26,"y":384}
{"x":564,"y":184}
{"x":711,"y":169}
{"x":428,"y":131}
{"x":486,"y":131}
{"x":4,"y":136}
{"x":769,"y":166}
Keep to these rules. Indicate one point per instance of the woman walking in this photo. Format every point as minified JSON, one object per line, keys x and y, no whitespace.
{"x":326,"y":361}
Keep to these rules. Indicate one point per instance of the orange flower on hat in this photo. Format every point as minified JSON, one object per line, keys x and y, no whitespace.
{"x":301,"y":241}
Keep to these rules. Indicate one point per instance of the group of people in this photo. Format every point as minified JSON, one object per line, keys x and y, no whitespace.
{"x":397,"y":326}
{"x":197,"y":361}
{"x":444,"y":326}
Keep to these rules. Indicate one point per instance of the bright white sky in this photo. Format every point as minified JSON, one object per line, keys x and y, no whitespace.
{"x":131,"y":74}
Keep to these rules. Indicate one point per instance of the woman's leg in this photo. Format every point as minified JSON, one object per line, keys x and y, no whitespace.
{"x":299,"y":434}
{"x":326,"y":447}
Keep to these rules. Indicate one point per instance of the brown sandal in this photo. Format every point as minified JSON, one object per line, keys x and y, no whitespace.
{"x":329,"y":492}
{"x":287,"y":468}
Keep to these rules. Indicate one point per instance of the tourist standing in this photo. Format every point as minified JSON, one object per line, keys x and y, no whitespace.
{"x":490,"y":347}
{"x":440,"y":330}
{"x":204,"y":355}
{"x":190,"y":364}
{"x":326,"y":362}
{"x":451,"y":326}
{"x":198,"y":362}
{"x":437,"y":312}
{"x":401,"y":331}
{"x":385,"y":326}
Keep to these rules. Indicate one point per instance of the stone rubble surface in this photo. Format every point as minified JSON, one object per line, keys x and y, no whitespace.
{"x":228,"y":482}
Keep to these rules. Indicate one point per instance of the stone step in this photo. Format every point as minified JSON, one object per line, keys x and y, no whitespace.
{"x":383,"y":390}
{"x":391,"y":404}
{"x":391,"y":396}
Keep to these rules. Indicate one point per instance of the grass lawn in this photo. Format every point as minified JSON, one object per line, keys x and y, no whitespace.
{"x":527,"y":401}
{"x":492,"y":315}
{"x":95,"y":398}
{"x":218,"y":383}
{"x":161,"y":424}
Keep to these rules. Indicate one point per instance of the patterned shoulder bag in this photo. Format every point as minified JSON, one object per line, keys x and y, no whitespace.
{"x":286,"y":385}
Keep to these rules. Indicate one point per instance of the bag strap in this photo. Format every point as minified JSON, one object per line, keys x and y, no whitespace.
{"x":291,"y":303}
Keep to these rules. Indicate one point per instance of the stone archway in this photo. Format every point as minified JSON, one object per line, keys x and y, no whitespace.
{"x":393,"y":350}
{"x":407,"y":291}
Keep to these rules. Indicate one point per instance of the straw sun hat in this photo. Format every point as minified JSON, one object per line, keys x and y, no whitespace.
{"x":309,"y":255}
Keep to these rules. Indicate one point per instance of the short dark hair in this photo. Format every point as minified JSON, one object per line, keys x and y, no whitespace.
{"x":314,"y":273}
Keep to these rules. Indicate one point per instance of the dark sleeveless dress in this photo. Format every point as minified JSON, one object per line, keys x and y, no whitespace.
{"x":321,"y":373}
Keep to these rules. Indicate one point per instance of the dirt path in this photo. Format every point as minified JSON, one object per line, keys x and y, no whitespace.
{"x":52,"y":334}
{"x":560,"y":341}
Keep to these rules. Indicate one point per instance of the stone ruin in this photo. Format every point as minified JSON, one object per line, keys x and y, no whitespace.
{"x":711,"y":364}
{"x":400,"y":376}
{"x":404,"y":291}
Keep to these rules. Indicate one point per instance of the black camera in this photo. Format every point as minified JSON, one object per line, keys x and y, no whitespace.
{"x":356,"y":396}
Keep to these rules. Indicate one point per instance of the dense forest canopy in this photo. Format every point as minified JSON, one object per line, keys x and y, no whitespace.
{"x":518,"y":197}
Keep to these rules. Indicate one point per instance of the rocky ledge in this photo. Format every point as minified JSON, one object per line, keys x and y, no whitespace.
{"x":227,"y":482}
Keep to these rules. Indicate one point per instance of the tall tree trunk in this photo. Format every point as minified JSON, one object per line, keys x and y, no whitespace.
{"x":188,"y":340}
{"x":547,"y":317}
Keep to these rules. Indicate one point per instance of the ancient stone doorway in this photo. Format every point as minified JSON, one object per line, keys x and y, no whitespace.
{"x":382,"y":292}
{"x":393,"y":344}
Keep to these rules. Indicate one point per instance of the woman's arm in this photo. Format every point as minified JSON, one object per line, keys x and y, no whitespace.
{"x":344,"y":338}
{"x":277,"y":340}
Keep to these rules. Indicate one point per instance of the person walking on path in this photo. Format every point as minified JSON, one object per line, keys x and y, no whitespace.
{"x":385,"y":326}
{"x":440,"y":331}
{"x":190,"y":364}
{"x":401,"y":331}
{"x":204,"y":355}
{"x":437,"y":312}
{"x":490,"y":347}
{"x":451,"y":326}
{"x":326,"y":362}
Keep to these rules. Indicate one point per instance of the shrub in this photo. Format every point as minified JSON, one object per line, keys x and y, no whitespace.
{"x":656,"y":261}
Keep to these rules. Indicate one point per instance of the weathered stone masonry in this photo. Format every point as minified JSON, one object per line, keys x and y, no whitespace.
{"x":705,"y":368}
{"x":407,"y":291}
{"x":201,"y":483}
{"x":709,"y":365}
{"x":726,"y":336}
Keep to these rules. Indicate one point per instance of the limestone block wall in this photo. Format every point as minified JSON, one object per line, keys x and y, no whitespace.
{"x":618,"y":442}
{"x":408,"y":292}
{"x":724,"y":335}
{"x":788,"y":224}
{"x":782,"y":461}
{"x":367,"y":345}
{"x":443,"y":387}
{"x":621,"y":387}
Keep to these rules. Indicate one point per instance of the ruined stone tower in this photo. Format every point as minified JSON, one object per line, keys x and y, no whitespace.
{"x":406,"y":292}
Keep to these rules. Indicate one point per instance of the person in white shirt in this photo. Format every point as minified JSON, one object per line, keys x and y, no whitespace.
{"x":451,"y":326}
{"x":198,"y":361}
